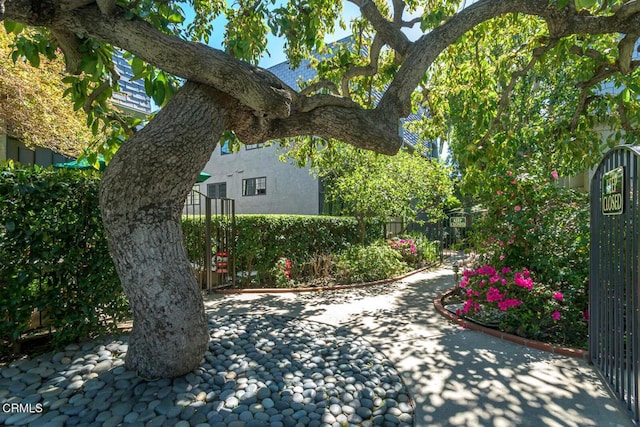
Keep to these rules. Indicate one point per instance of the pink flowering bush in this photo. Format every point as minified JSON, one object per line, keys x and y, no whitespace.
{"x":414,"y":250}
{"x":407,"y":249}
{"x":530,"y":223}
{"x":515,"y":302}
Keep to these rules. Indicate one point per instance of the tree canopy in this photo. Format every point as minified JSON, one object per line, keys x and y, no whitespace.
{"x":369,"y":185}
{"x":23,"y":89}
{"x":516,"y":39}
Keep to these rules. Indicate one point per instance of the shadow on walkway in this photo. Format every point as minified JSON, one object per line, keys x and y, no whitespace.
{"x":455,"y":376}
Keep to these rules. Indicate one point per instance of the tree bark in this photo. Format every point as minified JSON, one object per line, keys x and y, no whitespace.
{"x":142,"y":195}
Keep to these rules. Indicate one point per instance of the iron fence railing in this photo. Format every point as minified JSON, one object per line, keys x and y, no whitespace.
{"x":210,"y":241}
{"x":614,"y":322}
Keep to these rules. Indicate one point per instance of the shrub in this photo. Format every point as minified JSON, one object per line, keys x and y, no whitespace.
{"x":261,"y":240}
{"x":535,"y":224}
{"x":54,"y":255}
{"x":415,"y":249}
{"x":368,"y":263}
{"x":521,"y":305}
{"x":530,"y":222}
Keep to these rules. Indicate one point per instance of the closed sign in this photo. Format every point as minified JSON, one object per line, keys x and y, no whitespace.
{"x":458,"y":221}
{"x":613,"y":192}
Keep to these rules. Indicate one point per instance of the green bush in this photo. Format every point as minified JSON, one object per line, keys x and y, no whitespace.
{"x":368,"y":263}
{"x":54,"y":255}
{"x":261,"y":240}
{"x":534,"y":224}
{"x":415,"y":249}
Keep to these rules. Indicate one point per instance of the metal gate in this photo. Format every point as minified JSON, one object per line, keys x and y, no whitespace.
{"x":614,"y":328}
{"x":211,"y":242}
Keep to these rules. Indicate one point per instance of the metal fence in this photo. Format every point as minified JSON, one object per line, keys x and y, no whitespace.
{"x":614,"y":328}
{"x":211,"y":247}
{"x":452,"y":233}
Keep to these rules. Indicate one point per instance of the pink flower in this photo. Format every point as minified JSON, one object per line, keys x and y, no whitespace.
{"x":517,"y":208}
{"x":556,"y":315}
{"x":514,"y":182}
{"x":508,"y":303}
{"x":522,"y":281}
{"x":501,"y":257}
{"x":486,"y":270}
{"x":554,"y":174}
{"x":467,"y":306}
{"x":509,"y":173}
{"x":494,"y":295}
{"x":506,"y":270}
{"x":499,"y":192}
{"x":464,"y":282}
{"x":558,"y":296}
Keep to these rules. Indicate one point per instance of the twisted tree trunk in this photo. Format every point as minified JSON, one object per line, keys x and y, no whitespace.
{"x":141,"y":198}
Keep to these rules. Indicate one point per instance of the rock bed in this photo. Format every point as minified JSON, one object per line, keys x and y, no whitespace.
{"x":259,"y":371}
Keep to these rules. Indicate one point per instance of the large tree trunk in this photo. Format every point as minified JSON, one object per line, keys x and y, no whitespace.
{"x":141,"y":199}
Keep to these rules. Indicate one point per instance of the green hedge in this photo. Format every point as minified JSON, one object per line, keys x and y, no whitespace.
{"x":262,"y":239}
{"x":54,"y":255}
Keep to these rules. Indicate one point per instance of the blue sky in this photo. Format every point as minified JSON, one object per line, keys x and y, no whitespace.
{"x":275,"y":45}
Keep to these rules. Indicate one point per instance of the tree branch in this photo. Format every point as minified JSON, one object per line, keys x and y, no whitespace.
{"x":368,"y":70}
{"x":107,"y":7}
{"x":68,"y":5}
{"x":624,"y":119}
{"x":583,"y":102}
{"x":322,"y":84}
{"x":625,"y":51}
{"x":390,"y":34}
{"x":70,"y":44}
{"x":628,"y":9}
{"x":256,"y":88}
{"x":324,"y":100}
{"x":506,"y":93}
{"x":354,"y":125}
{"x":561,"y":22}
{"x":410,"y":24}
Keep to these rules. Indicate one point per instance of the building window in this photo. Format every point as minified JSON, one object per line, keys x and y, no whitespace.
{"x":254,"y":186}
{"x":254,"y":146}
{"x":217,"y":190}
{"x":225,"y":148}
{"x":193,"y":198}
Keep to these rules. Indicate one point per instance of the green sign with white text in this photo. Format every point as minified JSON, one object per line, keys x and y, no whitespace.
{"x":458,"y":222}
{"x":613,"y":192}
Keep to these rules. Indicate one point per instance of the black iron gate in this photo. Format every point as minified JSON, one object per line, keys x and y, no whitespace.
{"x":210,"y":239}
{"x":614,"y":328}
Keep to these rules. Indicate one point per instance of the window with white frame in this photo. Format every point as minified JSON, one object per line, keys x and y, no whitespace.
{"x":254,"y":186}
{"x":254,"y":146}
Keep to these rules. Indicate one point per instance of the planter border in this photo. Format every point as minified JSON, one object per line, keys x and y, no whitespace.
{"x":322,"y":288}
{"x":538,"y":345}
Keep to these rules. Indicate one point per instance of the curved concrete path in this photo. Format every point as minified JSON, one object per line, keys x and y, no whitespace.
{"x":457,"y":377}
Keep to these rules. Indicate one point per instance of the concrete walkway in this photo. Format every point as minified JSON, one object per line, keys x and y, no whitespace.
{"x":457,"y":377}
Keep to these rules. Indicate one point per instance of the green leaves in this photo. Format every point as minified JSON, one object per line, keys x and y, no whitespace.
{"x":13,"y":27}
{"x":369,"y":185}
{"x":585,"y":4}
{"x":54,"y":254}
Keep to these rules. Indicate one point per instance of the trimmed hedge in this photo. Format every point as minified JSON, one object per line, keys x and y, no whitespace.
{"x":54,"y":254}
{"x":262,"y":239}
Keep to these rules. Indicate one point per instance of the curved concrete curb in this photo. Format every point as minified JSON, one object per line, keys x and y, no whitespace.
{"x":551,"y":348}
{"x":320,"y":288}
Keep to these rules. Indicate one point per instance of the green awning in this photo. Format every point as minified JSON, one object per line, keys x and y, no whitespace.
{"x":84,"y":164}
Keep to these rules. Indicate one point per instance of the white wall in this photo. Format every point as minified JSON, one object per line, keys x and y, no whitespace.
{"x":290,"y":190}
